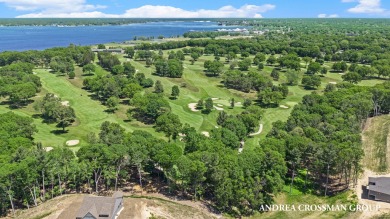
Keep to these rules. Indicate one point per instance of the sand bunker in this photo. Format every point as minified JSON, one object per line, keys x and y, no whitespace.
{"x":72,"y":142}
{"x":215,"y":98}
{"x":65,"y":103}
{"x":47,"y":149}
{"x":283,"y":107}
{"x":192,"y":106}
{"x":341,"y":73}
{"x":218,"y":108}
{"x":332,"y":82}
{"x":207,"y":134}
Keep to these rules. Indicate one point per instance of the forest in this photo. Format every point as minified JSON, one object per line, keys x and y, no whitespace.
{"x":312,"y":90}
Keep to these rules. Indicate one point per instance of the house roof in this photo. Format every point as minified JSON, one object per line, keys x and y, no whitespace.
{"x":382,"y":184}
{"x":97,"y":206}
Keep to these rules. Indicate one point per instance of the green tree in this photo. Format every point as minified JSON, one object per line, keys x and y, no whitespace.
{"x":292,"y":77}
{"x":170,"y":124}
{"x":175,"y":91}
{"x":129,"y":51}
{"x":311,"y":82}
{"x":158,"y":87}
{"x":275,"y":74}
{"x":208,"y":105}
{"x":112,"y":103}
{"x":313,"y":68}
{"x":245,"y":64}
{"x":89,"y":68}
{"x":72,"y":75}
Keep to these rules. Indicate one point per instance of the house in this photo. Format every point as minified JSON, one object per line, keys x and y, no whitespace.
{"x":379,"y":188}
{"x":95,"y":207}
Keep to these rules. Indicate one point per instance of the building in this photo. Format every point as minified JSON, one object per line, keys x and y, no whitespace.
{"x":119,"y":51}
{"x":378,"y":188}
{"x":95,"y":207}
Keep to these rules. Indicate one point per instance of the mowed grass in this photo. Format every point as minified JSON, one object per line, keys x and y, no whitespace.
{"x":376,"y":145}
{"x":90,"y":113}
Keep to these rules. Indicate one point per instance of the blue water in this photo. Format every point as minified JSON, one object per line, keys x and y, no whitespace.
{"x":38,"y":38}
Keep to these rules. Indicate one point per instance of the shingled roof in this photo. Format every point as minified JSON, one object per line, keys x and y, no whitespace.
{"x":382,"y":184}
{"x":99,"y":207}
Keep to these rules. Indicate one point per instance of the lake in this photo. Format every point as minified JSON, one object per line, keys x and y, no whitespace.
{"x":19,"y":38}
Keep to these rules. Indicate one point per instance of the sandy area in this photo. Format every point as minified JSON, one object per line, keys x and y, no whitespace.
{"x":192,"y":106}
{"x":65,"y":103}
{"x":207,"y":134}
{"x":341,"y":73}
{"x":47,"y":149}
{"x":258,"y":132}
{"x":218,"y":108}
{"x":332,"y":82}
{"x":219,"y":105}
{"x":283,"y":107}
{"x":363,"y":181}
{"x":72,"y":142}
{"x":215,"y":98}
{"x":34,"y":73}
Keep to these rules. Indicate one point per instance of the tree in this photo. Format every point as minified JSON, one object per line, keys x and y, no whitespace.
{"x":72,"y":75}
{"x":195,"y":56}
{"x":111,"y":133}
{"x":245,"y":64}
{"x":117,"y":69}
{"x":129,"y":69}
{"x":214,"y":67}
{"x":268,"y":97}
{"x":313,"y":68}
{"x":271,"y":60}
{"x":89,"y":68}
{"x":247,"y":103}
{"x":259,"y":58}
{"x":307,"y":60}
{"x":200,"y":104}
{"x":352,"y":77}
{"x":292,"y":77}
{"x":275,"y":74}
{"x":222,"y":116}
{"x":101,"y":46}
{"x":209,"y":105}
{"x":158,"y":87}
{"x":129,"y":51}
{"x":170,"y":124}
{"x":232,"y":103}
{"x":112,"y":103}
{"x":324,"y":70}
{"x":311,"y":82}
{"x":64,"y":116}
{"x":175,"y":91}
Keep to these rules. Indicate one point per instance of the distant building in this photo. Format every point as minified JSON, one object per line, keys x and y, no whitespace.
{"x":94,"y":207}
{"x":108,"y":50}
{"x":379,"y":188}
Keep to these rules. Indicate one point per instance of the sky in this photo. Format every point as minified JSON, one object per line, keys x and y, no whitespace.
{"x":195,"y":8}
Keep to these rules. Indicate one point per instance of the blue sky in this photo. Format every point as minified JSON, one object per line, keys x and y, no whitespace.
{"x":196,"y":8}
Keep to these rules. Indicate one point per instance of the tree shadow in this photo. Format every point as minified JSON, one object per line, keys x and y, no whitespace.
{"x":59,"y":132}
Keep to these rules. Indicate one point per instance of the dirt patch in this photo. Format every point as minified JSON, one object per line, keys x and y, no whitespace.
{"x":47,"y":149}
{"x":207,"y":134}
{"x":192,"y":107}
{"x":65,"y":103}
{"x":72,"y":142}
